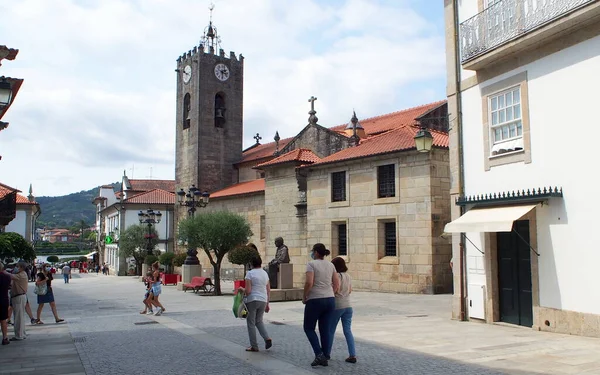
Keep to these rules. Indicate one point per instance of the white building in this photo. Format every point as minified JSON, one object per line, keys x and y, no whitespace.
{"x":522,"y":85}
{"x":116,"y":211}
{"x":27,"y":212}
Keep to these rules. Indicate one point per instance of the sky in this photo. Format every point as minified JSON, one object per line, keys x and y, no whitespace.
{"x":99,"y":93}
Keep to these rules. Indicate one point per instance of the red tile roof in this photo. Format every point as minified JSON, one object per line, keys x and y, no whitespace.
{"x":23,"y":200}
{"x":146,"y":185}
{"x":373,"y":126}
{"x":300,"y":155}
{"x":396,"y":140}
{"x":394,"y":120}
{"x":154,"y":196}
{"x":8,"y":53}
{"x":263,"y":151}
{"x":5,"y":190}
{"x":246,"y":187}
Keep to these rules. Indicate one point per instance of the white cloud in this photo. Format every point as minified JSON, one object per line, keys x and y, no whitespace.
{"x":99,"y":91}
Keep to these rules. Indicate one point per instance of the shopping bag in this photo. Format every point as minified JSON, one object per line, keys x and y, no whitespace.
{"x":239,"y":307}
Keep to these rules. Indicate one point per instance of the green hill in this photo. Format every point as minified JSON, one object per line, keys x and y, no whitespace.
{"x":68,"y":210}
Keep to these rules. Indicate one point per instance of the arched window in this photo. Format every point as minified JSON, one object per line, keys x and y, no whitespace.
{"x":186,"y":111}
{"x":220,"y":110}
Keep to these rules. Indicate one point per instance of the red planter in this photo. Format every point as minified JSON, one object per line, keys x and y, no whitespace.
{"x":238,"y":284}
{"x":170,"y":278}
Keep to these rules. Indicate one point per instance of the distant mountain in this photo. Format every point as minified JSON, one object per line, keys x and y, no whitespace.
{"x":68,"y":210}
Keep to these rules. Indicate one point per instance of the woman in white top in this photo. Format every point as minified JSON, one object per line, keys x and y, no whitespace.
{"x":258,"y":292}
{"x":321,"y":283}
{"x":343,"y":309}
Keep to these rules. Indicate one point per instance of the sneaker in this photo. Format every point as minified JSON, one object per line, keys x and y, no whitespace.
{"x":351,"y":359}
{"x":320,"y":360}
{"x":150,"y":312}
{"x":159,"y":312}
{"x":33,"y":320}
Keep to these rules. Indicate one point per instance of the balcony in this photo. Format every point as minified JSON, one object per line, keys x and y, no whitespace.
{"x":510,"y":27}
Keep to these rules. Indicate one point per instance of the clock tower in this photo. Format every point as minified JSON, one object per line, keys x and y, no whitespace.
{"x":209,"y":120}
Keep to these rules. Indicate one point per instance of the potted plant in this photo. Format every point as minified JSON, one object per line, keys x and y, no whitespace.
{"x":168,"y":277}
{"x":242,"y":255}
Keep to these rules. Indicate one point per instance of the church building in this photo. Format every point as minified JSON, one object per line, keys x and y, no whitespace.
{"x":363,"y":188}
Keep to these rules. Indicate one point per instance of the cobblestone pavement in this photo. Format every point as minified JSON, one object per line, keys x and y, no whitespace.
{"x":395,"y":334}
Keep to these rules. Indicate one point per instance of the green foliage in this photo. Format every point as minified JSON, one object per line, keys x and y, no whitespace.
{"x":52,"y":259}
{"x":91,"y":236}
{"x":179,"y":259}
{"x":216,"y":233}
{"x":243,"y":255}
{"x":167,"y":260}
{"x":150,"y":259}
{"x":82,"y":259}
{"x":13,"y":245}
{"x":68,"y":210}
{"x":133,"y":242}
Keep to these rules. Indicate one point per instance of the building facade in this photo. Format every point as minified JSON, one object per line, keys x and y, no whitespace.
{"x":520,"y":72}
{"x":117,"y":211}
{"x":26,"y":214}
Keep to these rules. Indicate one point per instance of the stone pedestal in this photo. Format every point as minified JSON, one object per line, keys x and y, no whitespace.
{"x":190,"y":270}
{"x":144,"y":271}
{"x":285,"y":276}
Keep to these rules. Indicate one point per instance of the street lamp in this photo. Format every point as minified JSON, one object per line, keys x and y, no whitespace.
{"x":5,"y":92}
{"x":149,"y":218}
{"x":192,"y":199}
{"x":423,"y":140}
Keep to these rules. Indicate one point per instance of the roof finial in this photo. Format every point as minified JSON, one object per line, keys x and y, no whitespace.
{"x":258,"y":138}
{"x":210,"y":41}
{"x":30,"y":197}
{"x":276,"y":138}
{"x":312,"y":119}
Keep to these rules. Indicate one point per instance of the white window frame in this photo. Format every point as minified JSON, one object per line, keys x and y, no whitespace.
{"x":505,"y":120}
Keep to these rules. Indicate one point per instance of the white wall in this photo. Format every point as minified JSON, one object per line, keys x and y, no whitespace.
{"x":131,"y":218}
{"x":563,"y":99}
{"x":18,"y":224}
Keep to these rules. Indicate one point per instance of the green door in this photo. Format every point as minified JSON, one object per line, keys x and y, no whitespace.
{"x":514,"y":275}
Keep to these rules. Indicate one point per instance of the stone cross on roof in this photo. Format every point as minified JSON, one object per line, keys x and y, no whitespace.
{"x":258,"y":138}
{"x":312,"y":119}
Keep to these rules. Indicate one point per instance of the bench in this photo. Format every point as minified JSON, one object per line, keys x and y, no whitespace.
{"x":200,"y":283}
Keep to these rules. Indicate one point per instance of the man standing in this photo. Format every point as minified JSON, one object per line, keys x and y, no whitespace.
{"x":66,"y":271}
{"x":281,"y":256}
{"x":4,"y":287}
{"x":18,"y":300}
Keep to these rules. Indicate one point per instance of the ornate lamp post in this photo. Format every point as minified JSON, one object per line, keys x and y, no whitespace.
{"x":192,"y":199}
{"x":149,"y":218}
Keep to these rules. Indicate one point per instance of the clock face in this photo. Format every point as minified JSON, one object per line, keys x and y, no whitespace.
{"x":187,"y":73}
{"x":222,"y":72}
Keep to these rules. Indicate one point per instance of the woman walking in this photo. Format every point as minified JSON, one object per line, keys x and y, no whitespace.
{"x":321,"y":283}
{"x":45,"y":276}
{"x":156,"y":290}
{"x":258,"y":292}
{"x":343,"y":309}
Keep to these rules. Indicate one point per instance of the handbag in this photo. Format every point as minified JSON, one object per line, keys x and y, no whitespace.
{"x":41,"y":290}
{"x":239,"y":307}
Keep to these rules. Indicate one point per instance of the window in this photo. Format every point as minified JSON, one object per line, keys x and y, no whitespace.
{"x":219,"y":110}
{"x":505,"y":121}
{"x":186,"y":111}
{"x":338,"y":186}
{"x":390,"y":239}
{"x":342,"y":240}
{"x":506,"y":130}
{"x":386,"y":181}
{"x":262,"y":227}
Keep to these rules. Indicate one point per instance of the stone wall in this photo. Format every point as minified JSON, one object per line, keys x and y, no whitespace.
{"x":320,"y":140}
{"x":422,"y":183}
{"x":281,"y":194}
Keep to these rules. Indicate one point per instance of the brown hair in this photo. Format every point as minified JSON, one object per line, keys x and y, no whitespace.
{"x":321,"y":250}
{"x":155,"y":264}
{"x":340,"y":264}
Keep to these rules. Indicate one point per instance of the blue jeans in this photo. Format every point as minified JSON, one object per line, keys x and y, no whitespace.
{"x":66,"y":277}
{"x":319,"y":310}
{"x":346,"y":316}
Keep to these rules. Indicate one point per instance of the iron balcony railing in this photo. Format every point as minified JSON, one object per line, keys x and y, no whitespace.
{"x":506,"y":20}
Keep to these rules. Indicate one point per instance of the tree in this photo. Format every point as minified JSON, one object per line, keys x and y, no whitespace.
{"x":243,"y":255}
{"x":52,"y":259}
{"x":13,"y":245}
{"x":216,"y":233}
{"x":179,"y":259}
{"x":167,"y":258}
{"x":133,"y":242}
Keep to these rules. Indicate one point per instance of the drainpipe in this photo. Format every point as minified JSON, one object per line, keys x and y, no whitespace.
{"x":461,"y":173}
